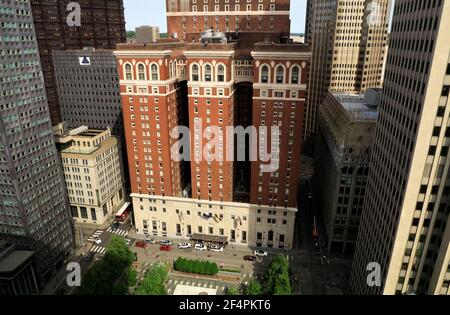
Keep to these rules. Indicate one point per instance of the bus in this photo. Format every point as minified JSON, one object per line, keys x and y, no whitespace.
{"x":124,"y":212}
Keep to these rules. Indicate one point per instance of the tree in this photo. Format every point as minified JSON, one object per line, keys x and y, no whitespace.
{"x":109,"y":276}
{"x":154,"y":281}
{"x":253,"y":288}
{"x":277,"y":277}
{"x":232,"y":291}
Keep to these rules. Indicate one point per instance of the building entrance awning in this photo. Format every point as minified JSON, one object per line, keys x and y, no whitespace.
{"x":210,"y":238}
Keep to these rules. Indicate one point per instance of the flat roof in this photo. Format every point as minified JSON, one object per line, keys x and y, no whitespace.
{"x":357,"y":106}
{"x":14,"y":260}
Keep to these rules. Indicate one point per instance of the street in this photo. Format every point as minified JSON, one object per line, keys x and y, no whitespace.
{"x":320,"y":273}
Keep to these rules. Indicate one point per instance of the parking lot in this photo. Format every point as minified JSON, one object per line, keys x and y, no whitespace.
{"x":229,"y":257}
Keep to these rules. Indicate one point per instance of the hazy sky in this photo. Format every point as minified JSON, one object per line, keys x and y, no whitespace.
{"x":152,"y":12}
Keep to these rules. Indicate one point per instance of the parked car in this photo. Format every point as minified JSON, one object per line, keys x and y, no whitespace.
{"x":150,"y":241}
{"x":216,"y":248}
{"x":165,"y":248}
{"x":260,"y":253}
{"x":141,"y":244}
{"x":97,"y":240}
{"x":127,"y":241}
{"x":200,"y":247}
{"x":89,"y":256}
{"x":166,"y":242}
{"x":250,"y":258}
{"x":184,"y":246}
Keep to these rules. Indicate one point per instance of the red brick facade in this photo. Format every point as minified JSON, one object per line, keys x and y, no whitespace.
{"x":188,"y":16}
{"x":279,"y":100}
{"x":152,"y":101}
{"x":154,"y":104}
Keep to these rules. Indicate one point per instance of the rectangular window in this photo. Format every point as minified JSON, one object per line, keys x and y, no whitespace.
{"x":74,"y":211}
{"x":84,"y":214}
{"x":93,"y":214}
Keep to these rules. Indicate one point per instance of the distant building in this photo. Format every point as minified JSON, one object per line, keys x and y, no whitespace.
{"x":88,"y":89}
{"x":93,"y":171}
{"x":146,"y":34}
{"x":348,"y":51}
{"x":102,"y":26}
{"x":185,"y":17}
{"x":17,"y":274}
{"x":346,"y":130}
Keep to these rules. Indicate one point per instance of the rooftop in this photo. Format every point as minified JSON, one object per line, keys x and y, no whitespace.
{"x":360,"y":106}
{"x":11,"y":259}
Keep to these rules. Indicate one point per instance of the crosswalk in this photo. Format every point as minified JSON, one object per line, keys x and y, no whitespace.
{"x":96,"y":234}
{"x":98,"y":249}
{"x":117,"y":231}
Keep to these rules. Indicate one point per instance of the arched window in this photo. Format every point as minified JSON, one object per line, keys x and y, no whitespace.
{"x":141,"y":72}
{"x":128,"y":72}
{"x":195,"y":73}
{"x":208,"y":73}
{"x":295,"y":75}
{"x":265,"y":74}
{"x":155,"y":74}
{"x":220,"y":73}
{"x":280,"y":74}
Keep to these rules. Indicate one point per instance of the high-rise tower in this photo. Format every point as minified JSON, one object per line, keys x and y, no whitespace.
{"x":33,"y":202}
{"x":348,"y":42}
{"x":404,"y":226}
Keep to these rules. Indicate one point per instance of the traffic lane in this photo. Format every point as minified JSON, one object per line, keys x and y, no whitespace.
{"x":227,"y":258}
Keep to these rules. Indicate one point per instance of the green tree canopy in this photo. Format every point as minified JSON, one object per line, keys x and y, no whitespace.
{"x":277,"y":277}
{"x":254,"y":288}
{"x":109,"y":276}
{"x":154,"y":282}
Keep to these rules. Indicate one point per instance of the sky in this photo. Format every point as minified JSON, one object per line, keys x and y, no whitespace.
{"x":153,"y":12}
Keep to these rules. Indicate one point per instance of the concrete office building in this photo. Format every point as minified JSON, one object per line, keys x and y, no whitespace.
{"x":405,"y":221}
{"x":348,"y":48}
{"x":88,"y":89}
{"x":93,"y":171}
{"x":33,"y":209}
{"x":346,"y":129}
{"x":102,"y":25}
{"x":17,"y":275}
{"x":146,"y":34}
{"x":186,"y":18}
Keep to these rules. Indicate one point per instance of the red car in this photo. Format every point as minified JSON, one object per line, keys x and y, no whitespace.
{"x":165,"y":248}
{"x":141,"y":244}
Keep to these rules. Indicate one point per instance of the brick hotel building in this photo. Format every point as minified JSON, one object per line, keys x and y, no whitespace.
{"x":187,"y":17}
{"x":222,"y":80}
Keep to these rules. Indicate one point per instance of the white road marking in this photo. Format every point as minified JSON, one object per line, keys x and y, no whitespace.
{"x":98,"y":249}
